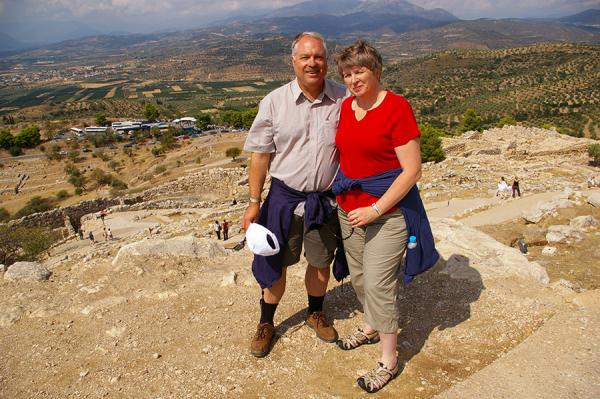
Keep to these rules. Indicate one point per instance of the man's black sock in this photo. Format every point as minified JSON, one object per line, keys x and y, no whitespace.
{"x":315,"y":303}
{"x":267,"y":312}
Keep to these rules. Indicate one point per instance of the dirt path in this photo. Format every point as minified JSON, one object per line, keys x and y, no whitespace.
{"x":496,"y":210}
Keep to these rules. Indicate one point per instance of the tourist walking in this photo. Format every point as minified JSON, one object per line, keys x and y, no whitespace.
{"x":292,"y":138}
{"x":91,"y":236}
{"x":379,"y":204}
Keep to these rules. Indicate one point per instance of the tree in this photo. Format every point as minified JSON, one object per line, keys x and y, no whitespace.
{"x":28,"y":137}
{"x":203,"y":120}
{"x":101,"y":119}
{"x":167,"y":141}
{"x":233,"y":152}
{"x":150,"y":112}
{"x":24,"y":243}
{"x":248,"y":117}
{"x":431,"y":144}
{"x":6,"y":139}
{"x":470,"y":121}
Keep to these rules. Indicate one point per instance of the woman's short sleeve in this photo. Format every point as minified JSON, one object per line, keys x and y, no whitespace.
{"x":405,"y":127}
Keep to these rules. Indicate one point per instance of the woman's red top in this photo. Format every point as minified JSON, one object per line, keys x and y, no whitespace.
{"x":366,"y":147}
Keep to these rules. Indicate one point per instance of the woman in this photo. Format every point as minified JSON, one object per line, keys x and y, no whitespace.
{"x":377,"y":137}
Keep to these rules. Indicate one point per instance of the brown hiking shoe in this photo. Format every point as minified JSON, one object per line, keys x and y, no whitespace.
{"x":261,"y":342}
{"x":318,"y":322}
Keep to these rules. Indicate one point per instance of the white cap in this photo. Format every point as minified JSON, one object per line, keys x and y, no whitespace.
{"x":261,"y":240}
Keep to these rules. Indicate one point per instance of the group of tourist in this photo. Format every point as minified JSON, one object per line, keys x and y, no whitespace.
{"x":504,"y":190}
{"x":344,"y":163}
{"x":221,"y":227}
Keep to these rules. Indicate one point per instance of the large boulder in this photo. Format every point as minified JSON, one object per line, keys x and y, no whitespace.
{"x":186,"y":246}
{"x":538,"y":212}
{"x":472,"y":254}
{"x":582,"y":223}
{"x":594,"y":199}
{"x":558,"y":233}
{"x":31,"y":271}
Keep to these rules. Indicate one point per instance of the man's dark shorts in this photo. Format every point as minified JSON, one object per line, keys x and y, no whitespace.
{"x":319,"y":245}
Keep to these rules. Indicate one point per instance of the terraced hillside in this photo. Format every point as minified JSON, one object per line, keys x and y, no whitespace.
{"x":556,"y":84}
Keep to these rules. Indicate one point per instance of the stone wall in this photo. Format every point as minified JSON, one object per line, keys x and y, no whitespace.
{"x":69,"y":217}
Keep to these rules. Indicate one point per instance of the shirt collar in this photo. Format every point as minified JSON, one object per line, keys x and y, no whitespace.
{"x":328,"y":91}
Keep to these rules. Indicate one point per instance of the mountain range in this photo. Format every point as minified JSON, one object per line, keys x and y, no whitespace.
{"x":343,"y":20}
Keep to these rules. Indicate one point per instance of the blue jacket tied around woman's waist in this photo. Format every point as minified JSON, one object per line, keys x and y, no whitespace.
{"x":276,"y":215}
{"x":424,"y":256}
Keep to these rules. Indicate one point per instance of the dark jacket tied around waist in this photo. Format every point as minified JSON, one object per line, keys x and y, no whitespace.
{"x":276,"y":215}
{"x":424,"y":256}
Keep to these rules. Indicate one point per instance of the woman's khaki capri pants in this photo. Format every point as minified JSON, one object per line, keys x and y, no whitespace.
{"x":374,"y":253}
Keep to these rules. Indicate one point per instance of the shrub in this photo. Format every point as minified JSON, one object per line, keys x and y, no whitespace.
{"x":62,"y":194}
{"x":100,"y":177}
{"x":54,"y":153}
{"x":594,"y":152}
{"x":35,"y":205}
{"x":198,"y":160}
{"x":6,"y":139}
{"x":114,"y":165}
{"x":117,"y":183}
{"x":233,"y":152}
{"x":160,"y":169}
{"x":506,"y":120}
{"x":4,"y":215}
{"x":15,"y":151}
{"x":431,"y":144}
{"x":156,"y":151}
{"x":74,"y":156}
{"x":78,"y":190}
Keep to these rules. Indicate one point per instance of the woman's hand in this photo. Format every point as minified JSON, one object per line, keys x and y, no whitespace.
{"x":362,"y":216}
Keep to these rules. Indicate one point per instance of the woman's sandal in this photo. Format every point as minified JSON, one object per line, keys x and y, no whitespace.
{"x":357,"y":339}
{"x":377,"y":378}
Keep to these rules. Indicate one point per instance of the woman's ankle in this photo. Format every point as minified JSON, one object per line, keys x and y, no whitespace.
{"x":389,"y":361}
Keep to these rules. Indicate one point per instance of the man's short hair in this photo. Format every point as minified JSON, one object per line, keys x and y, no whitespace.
{"x":314,"y":35}
{"x":361,"y":54}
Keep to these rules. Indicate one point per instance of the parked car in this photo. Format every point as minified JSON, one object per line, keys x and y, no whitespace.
{"x":86,"y":150}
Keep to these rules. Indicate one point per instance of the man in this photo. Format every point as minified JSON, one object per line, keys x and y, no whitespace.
{"x":293,"y":138}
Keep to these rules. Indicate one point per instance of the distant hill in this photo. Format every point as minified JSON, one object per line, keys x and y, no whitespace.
{"x":585,"y":18}
{"x":350,"y":7}
{"x":9,"y":43}
{"x":486,"y":34}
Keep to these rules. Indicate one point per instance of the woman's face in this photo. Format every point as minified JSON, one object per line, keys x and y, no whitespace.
{"x":361,"y":80}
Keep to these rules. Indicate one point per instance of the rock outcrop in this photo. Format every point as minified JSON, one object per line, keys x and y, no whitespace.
{"x":31,"y":271}
{"x":187,"y":246}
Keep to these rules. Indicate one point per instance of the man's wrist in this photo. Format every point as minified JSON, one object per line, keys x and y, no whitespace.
{"x":254,"y":200}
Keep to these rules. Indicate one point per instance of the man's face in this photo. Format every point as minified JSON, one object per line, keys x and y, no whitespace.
{"x":310,"y":62}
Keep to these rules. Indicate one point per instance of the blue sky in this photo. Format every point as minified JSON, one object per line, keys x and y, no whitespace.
{"x":154,"y":15}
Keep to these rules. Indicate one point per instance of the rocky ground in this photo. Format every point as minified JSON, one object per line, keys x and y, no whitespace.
{"x":166,"y":311}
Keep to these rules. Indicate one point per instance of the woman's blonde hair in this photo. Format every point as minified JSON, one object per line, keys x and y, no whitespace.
{"x":361,"y":54}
